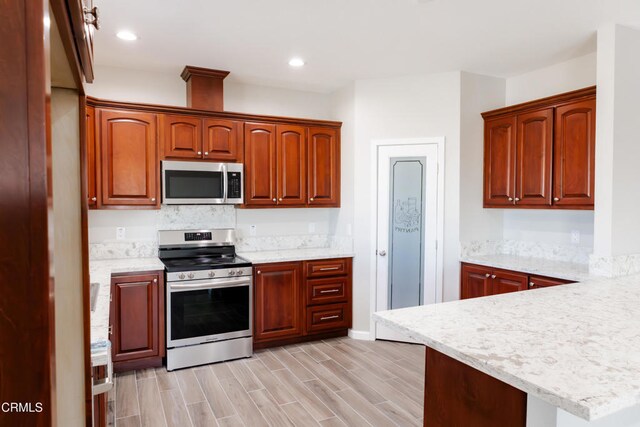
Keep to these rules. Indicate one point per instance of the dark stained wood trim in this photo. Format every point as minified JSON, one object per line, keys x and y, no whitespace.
{"x":190,"y":70}
{"x":86,"y":304}
{"x":300,"y":339}
{"x":27,"y":334}
{"x":103,"y":103}
{"x":61,"y":15}
{"x":458,"y":395}
{"x":550,"y":101}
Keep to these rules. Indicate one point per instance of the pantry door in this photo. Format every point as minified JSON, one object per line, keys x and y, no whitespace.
{"x":407,"y":225}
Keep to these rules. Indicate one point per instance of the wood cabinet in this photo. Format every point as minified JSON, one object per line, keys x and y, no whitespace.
{"x":137,"y":320}
{"x":100,"y":400}
{"x":324,"y":167}
{"x":192,"y":137}
{"x":277,"y":296}
{"x":541,"y":154}
{"x":297,"y":301}
{"x":260,"y":164}
{"x":91,"y":158}
{"x":574,"y":153}
{"x":288,"y":162}
{"x":479,"y":281}
{"x":129,"y":161}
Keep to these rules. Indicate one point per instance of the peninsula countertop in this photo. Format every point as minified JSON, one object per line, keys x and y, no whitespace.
{"x":262,"y":257}
{"x":532,"y":265}
{"x":576,"y":346}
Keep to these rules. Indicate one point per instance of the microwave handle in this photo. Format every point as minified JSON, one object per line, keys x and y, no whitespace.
{"x":225,"y":181}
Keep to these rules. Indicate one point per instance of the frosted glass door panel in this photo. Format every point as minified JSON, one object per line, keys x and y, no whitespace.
{"x":406,"y":231}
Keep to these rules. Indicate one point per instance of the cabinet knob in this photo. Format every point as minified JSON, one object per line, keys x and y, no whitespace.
{"x":511,"y":199}
{"x":280,"y":199}
{"x":199,"y":153}
{"x":493,"y":276}
{"x":206,"y":153}
{"x":259,"y":272}
{"x":517,"y":199}
{"x":487,"y":275}
{"x":531,"y":284}
{"x":93,"y":199}
{"x":556,"y":199}
{"x":155,"y":280}
{"x":153,"y":199}
{"x":274,"y":199}
{"x":311,"y":199}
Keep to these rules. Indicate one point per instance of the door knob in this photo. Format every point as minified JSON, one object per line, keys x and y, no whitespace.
{"x":382,"y":253}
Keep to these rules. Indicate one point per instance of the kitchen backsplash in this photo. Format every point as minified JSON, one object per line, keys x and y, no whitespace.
{"x":574,"y":254}
{"x":103,"y":246}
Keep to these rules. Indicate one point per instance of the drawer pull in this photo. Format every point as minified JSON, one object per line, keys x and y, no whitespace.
{"x":329,"y":291}
{"x":329,"y":317}
{"x":330,"y":268}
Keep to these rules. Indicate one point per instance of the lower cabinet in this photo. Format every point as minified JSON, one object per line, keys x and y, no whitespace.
{"x":301,"y":301}
{"x":479,"y":281}
{"x":137,"y":320}
{"x":99,"y":400}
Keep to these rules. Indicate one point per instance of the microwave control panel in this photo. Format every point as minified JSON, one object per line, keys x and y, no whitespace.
{"x":234,"y":182}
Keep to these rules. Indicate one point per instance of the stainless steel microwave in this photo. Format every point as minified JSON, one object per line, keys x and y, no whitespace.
{"x":202,"y":183}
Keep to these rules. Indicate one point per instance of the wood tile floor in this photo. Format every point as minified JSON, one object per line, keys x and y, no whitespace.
{"x":337,"y":382}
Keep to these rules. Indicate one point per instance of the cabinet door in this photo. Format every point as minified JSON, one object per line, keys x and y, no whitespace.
{"x":534,"y":153}
{"x":129,"y":158}
{"x":181,"y":137}
{"x":135,"y":321}
{"x":475,"y":281}
{"x":499,"y":162}
{"x":545,"y":282}
{"x":277,"y":301}
{"x":91,"y":159}
{"x":260,"y":164}
{"x":574,"y":154}
{"x":507,"y":281}
{"x":222,"y":140}
{"x":324,"y":167}
{"x":291,"y":164}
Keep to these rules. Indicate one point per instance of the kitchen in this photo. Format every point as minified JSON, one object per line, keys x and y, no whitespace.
{"x":276,"y":181}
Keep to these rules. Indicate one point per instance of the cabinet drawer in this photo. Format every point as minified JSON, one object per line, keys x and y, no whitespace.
{"x":545,"y":282}
{"x":327,"y":267}
{"x":326,"y":317}
{"x":327,"y":290}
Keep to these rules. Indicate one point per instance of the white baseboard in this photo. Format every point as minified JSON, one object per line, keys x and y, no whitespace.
{"x":360,"y":335}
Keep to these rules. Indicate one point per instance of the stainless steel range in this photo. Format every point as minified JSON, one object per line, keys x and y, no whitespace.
{"x":209,"y":297}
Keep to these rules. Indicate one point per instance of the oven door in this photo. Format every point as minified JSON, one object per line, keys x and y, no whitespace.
{"x":201,"y":311}
{"x":193,"y":183}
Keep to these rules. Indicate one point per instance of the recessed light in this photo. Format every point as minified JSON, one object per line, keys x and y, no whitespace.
{"x":296,"y":62}
{"x":126,"y":35}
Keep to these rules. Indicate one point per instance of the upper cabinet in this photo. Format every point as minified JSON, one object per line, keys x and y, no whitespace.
{"x":287,"y":162}
{"x":128,"y":159}
{"x":540,"y":155}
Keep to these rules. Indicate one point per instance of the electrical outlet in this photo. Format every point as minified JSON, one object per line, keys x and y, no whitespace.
{"x":252,"y":230}
{"x":575,"y":237}
{"x":121,"y":233}
{"x":312,"y":227}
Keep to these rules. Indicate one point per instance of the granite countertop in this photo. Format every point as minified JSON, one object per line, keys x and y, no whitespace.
{"x":532,"y":265}
{"x":100,"y":271}
{"x":261,"y":257}
{"x":575,"y":346}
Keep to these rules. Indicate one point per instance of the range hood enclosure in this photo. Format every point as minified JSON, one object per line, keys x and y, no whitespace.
{"x":205,"y":89}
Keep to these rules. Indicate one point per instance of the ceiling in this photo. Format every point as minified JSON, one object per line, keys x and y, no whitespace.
{"x":345,"y":40}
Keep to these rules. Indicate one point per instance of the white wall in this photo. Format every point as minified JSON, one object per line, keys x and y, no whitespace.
{"x":163,"y":88}
{"x":406,"y":107}
{"x":617,"y":148}
{"x":551,"y":226}
{"x":478,"y":93}
{"x":570,"y":75}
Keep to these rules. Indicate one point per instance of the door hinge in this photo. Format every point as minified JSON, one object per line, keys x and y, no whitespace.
{"x":110,"y":297}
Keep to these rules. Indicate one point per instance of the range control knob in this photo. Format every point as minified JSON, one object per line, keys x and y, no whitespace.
{"x":212,"y":274}
{"x":239,"y":272}
{"x":191,"y":275}
{"x":232,"y":273}
{"x":181,"y":276}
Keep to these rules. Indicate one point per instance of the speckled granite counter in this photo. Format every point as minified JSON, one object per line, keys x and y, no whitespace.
{"x":576,"y":347}
{"x":100,"y":271}
{"x":262,"y":257}
{"x":531,"y":265}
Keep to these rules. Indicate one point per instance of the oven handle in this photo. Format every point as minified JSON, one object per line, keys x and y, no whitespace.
{"x":210,"y":285}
